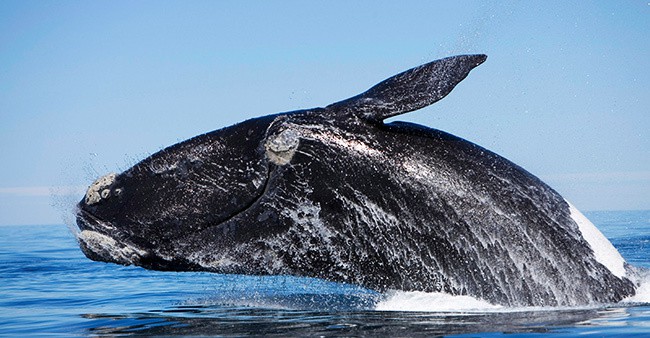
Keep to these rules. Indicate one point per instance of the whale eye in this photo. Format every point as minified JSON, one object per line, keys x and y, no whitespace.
{"x":281,"y":147}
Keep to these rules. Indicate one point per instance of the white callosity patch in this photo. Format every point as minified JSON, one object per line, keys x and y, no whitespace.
{"x":604,"y":251}
{"x":281,"y":147}
{"x":105,"y":246}
{"x":100,"y":189}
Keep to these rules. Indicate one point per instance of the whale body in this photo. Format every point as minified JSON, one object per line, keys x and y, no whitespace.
{"x":336,"y":193}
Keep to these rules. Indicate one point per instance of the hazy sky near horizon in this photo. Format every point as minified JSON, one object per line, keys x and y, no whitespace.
{"x":91,"y":87}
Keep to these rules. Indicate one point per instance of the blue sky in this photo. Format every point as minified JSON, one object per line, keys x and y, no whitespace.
{"x":90,"y":87}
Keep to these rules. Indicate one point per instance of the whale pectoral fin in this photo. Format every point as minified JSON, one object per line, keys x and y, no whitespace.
{"x":411,"y":90}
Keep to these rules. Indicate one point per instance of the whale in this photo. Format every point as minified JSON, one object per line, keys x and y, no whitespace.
{"x":339,"y":194}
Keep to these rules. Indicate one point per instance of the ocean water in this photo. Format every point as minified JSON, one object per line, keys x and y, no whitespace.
{"x":47,"y":287}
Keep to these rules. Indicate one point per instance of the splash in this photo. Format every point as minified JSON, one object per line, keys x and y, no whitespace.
{"x":642,"y":295}
{"x":417,"y":301}
{"x":432,"y":302}
{"x":64,"y":199}
{"x":285,"y":292}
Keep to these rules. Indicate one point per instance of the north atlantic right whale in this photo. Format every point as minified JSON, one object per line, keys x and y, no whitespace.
{"x":336,"y":193}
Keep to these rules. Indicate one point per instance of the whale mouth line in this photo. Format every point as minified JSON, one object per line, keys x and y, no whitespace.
{"x":255,"y":200}
{"x":87,"y":221}
{"x":100,"y":247}
{"x":100,"y":241}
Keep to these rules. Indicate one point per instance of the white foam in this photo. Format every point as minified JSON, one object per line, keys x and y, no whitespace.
{"x":432,"y":302}
{"x":642,"y":291}
{"x":604,"y":252}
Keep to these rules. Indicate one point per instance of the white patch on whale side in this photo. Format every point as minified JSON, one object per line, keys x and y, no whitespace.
{"x":604,"y":252}
{"x":106,"y":246}
{"x":432,"y":302}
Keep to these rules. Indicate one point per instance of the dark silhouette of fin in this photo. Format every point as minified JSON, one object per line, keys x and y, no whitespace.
{"x":411,"y":90}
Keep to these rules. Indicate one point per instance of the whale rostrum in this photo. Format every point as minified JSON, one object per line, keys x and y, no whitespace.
{"x":336,"y":193}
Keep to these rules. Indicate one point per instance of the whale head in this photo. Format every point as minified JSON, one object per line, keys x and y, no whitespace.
{"x":144,"y":215}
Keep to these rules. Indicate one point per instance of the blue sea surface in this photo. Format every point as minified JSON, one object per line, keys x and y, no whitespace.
{"x":48,"y":287}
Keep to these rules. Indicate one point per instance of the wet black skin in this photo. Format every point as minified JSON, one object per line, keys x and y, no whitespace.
{"x":171,"y":194}
{"x":386,"y":206}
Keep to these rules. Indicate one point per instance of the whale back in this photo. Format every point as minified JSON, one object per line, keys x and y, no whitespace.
{"x":410,"y":208}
